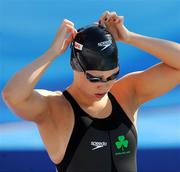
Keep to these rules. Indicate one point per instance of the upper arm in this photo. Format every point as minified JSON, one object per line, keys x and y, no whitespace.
{"x":35,"y":107}
{"x":155,"y":81}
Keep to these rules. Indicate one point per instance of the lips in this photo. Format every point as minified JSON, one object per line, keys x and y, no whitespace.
{"x":100,"y":94}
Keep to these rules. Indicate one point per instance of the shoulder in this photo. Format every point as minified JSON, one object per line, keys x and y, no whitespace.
{"x":148,"y":84}
{"x":56,"y":100}
{"x":125,"y":93}
{"x":126,"y":84}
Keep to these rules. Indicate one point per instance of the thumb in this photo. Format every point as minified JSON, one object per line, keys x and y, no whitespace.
{"x":67,"y":41}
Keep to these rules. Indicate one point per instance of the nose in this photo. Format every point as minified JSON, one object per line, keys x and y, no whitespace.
{"x":103,"y":86}
{"x":99,"y":87}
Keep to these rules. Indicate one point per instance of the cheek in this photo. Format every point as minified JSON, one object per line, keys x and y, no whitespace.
{"x":86,"y":85}
{"x":105,"y":86}
{"x":90,"y":88}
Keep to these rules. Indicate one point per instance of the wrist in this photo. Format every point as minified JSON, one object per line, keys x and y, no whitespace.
{"x":133,"y":38}
{"x":129,"y":38}
{"x":52,"y":53}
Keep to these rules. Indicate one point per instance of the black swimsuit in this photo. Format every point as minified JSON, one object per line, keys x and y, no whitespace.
{"x":100,"y":145}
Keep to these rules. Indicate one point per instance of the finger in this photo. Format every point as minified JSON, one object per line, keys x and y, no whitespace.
{"x":68,"y":40}
{"x":61,"y":36}
{"x":108,"y":20}
{"x":66,"y":28}
{"x":104,"y":17}
{"x":109,"y":16}
{"x":119,"y":19}
{"x":112,"y":19}
{"x":71,"y":30}
{"x":112,"y":16}
{"x":64,"y":24}
{"x":66,"y":21}
{"x":105,"y":14}
{"x":67,"y":25}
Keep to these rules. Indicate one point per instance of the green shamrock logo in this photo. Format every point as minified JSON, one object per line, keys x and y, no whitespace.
{"x":121,"y":143}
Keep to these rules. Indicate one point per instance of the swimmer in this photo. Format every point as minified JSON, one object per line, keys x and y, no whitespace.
{"x":91,"y":125}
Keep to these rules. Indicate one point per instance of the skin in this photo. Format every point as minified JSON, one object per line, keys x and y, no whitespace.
{"x":94,"y":88}
{"x":54,"y":115}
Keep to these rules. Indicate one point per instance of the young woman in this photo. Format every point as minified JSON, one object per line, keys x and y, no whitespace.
{"x":91,"y":125}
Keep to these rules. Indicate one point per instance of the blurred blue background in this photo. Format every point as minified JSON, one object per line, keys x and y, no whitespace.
{"x":27,"y":29}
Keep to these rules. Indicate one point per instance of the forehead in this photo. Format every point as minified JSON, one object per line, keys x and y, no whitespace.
{"x":103,"y":73}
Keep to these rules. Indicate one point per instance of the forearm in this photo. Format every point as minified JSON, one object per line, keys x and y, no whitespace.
{"x":167,"y":51}
{"x":23,"y":82}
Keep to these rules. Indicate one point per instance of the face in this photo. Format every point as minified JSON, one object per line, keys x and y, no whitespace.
{"x":96,"y":89}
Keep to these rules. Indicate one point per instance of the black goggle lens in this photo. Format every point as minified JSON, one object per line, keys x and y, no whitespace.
{"x":100,"y":79}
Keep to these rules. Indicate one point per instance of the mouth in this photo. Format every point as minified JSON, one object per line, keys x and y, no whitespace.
{"x":99,"y":95}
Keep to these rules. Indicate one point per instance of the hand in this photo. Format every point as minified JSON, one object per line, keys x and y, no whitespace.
{"x":115,"y":26}
{"x":64,"y":37}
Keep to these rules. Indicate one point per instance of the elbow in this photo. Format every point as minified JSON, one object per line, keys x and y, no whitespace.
{"x":5,"y":96}
{"x":8,"y":97}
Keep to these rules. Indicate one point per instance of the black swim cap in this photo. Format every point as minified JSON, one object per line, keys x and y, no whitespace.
{"x":94,"y":48}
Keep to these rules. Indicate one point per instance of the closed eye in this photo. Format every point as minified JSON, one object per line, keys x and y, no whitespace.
{"x":113,"y":76}
{"x":92,"y":76}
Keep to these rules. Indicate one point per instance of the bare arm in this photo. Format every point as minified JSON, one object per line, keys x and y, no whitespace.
{"x":154,"y":82}
{"x":167,"y":51}
{"x":20,"y":87}
{"x":19,"y":93}
{"x":162,"y":77}
{"x":158,"y":79}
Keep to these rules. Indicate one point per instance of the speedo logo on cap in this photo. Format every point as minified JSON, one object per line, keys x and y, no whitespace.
{"x":78,"y":45}
{"x":104,"y":44}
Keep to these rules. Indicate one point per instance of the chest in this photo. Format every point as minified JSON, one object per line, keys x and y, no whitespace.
{"x":101,"y":144}
{"x":57,"y":132}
